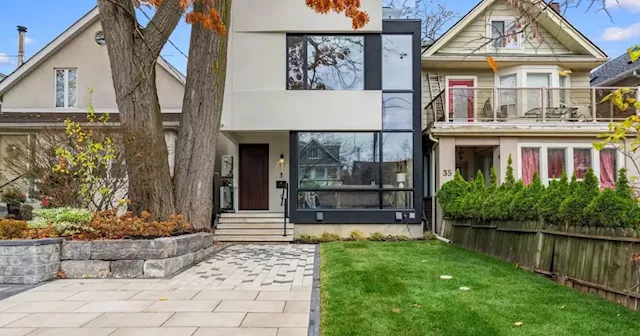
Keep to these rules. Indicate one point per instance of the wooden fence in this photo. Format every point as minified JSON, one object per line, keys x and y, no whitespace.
{"x":590,"y":259}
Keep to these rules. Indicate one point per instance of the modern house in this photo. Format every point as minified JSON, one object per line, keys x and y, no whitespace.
{"x":495,"y":86}
{"x":325,"y":117}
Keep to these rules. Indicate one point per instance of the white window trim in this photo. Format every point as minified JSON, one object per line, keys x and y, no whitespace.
{"x":521,"y":72}
{"x":569,"y":148}
{"x":66,"y":89}
{"x":314,"y":157}
{"x":475,"y":94}
{"x":489,"y":33}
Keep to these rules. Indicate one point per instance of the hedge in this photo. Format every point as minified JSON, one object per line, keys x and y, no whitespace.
{"x":561,"y":203}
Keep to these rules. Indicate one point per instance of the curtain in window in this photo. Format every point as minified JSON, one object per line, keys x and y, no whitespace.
{"x":607,"y":168}
{"x":581,"y":162}
{"x":556,"y":162}
{"x":530,"y":164}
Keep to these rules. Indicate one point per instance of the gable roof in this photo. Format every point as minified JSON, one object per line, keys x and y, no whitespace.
{"x":483,"y":5}
{"x":613,"y":71}
{"x":59,"y":42}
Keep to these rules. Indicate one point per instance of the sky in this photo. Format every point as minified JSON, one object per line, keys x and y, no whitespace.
{"x":46,"y":19}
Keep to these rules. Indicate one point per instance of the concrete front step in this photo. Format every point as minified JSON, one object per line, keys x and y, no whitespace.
{"x":251,"y":232}
{"x":251,"y":214}
{"x":247,"y":238}
{"x":280,"y":226}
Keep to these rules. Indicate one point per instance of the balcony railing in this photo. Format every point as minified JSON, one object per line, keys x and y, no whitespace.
{"x":527,"y":105}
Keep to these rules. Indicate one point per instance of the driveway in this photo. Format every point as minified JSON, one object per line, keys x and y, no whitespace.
{"x":243,"y":290}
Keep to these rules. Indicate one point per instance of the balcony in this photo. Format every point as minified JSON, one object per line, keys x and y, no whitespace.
{"x":473,"y":105}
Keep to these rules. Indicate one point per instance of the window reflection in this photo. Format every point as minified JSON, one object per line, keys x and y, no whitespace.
{"x":330,"y":62}
{"x":397,"y":111}
{"x":338,"y":160}
{"x":397,"y":160}
{"x":397,"y":59}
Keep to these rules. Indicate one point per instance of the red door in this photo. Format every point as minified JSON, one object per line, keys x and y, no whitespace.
{"x":461,"y":104}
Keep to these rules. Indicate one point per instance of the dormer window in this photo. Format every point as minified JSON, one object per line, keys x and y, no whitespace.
{"x":314,"y":153}
{"x":505,"y":33}
{"x":66,"y":88}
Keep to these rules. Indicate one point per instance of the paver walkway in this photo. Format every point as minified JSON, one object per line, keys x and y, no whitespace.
{"x":244,"y":290}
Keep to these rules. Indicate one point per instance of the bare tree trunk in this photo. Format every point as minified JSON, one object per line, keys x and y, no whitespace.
{"x":200,"y":120}
{"x":133,"y":53}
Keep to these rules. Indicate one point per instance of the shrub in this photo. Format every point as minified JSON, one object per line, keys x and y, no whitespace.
{"x":63,"y":214}
{"x":12,"y":229}
{"x":307,"y":239}
{"x":357,"y":235}
{"x":450,"y":195}
{"x":510,"y":179}
{"x":13,"y":196}
{"x":523,"y":205}
{"x":573,"y":207}
{"x":610,"y":209}
{"x":377,"y":236}
{"x":330,"y":237}
{"x":399,"y":238}
{"x":623,"y":189}
{"x":65,"y":221}
{"x":550,"y":202}
{"x":107,"y":225}
{"x":428,"y":235}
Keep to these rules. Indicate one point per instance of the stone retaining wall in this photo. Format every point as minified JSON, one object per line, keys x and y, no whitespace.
{"x":29,"y":261}
{"x":154,"y":258}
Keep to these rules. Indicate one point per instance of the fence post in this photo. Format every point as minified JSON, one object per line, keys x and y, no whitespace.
{"x":496,"y":104}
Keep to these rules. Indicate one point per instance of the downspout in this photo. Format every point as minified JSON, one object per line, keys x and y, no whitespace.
{"x":432,"y":187}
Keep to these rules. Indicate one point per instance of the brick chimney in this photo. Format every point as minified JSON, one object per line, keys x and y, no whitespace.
{"x":555,"y":6}
{"x":22,"y":30}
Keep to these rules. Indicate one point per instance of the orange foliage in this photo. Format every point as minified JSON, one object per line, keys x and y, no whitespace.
{"x":107,"y":225}
{"x":210,"y":17}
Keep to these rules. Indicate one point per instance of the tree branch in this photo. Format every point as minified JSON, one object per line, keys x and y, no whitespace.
{"x":162,"y":24}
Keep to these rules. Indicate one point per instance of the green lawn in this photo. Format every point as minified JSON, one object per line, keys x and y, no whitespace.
{"x":395,"y":289}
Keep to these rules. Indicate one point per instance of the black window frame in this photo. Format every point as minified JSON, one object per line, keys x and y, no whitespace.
{"x":373,"y":81}
{"x":372,"y":61}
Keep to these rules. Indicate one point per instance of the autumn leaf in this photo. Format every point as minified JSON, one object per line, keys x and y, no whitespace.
{"x":518,"y":324}
{"x":396,"y":310}
{"x":415,"y":305}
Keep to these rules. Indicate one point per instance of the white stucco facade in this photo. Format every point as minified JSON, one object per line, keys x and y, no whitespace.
{"x":256,"y":97}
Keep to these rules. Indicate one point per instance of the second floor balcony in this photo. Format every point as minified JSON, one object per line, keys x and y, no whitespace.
{"x":527,"y":105}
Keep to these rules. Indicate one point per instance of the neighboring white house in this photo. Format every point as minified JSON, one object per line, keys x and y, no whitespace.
{"x":54,"y":85}
{"x":537,"y":106}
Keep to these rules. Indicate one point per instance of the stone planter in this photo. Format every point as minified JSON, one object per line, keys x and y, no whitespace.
{"x":153,"y":258}
{"x":29,"y":261}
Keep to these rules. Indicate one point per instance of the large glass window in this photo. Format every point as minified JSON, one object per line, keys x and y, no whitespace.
{"x":581,"y":161}
{"x":348,"y":173}
{"x":397,"y":160}
{"x":397,"y":61}
{"x":397,"y":111}
{"x":608,"y":168}
{"x":556,"y":162}
{"x":325,"y":62}
{"x":530,"y":158}
{"x":338,"y":200}
{"x":534,"y":95}
{"x":508,"y":98}
{"x":338,"y":160}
